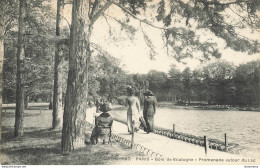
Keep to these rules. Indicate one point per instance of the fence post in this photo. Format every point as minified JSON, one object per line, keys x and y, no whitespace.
{"x":226,"y":142}
{"x":133,"y":134}
{"x":206,"y":144}
{"x":173,"y":128}
{"x":94,"y":118}
{"x":41,"y":108}
{"x":5,"y":109}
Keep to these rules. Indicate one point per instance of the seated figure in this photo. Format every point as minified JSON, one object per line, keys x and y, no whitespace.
{"x":103,"y":123}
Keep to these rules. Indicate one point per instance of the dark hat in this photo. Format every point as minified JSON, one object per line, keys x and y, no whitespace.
{"x":130,"y":90}
{"x":105,"y":107}
{"x":148,"y":93}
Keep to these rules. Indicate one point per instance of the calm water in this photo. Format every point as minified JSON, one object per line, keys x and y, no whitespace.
{"x":242,"y":127}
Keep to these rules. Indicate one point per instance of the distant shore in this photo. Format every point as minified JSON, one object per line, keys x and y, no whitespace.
{"x":207,"y":107}
{"x":191,"y":106}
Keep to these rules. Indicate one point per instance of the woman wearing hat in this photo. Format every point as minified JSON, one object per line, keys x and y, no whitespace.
{"x":103,"y":124}
{"x":133,"y":111}
{"x":149,"y":110}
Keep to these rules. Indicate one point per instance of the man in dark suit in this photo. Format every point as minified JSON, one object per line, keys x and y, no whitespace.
{"x":149,"y":110}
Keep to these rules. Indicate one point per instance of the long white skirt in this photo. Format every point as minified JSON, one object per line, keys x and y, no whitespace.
{"x":130,"y":118}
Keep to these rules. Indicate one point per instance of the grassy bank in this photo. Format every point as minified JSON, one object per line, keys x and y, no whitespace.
{"x":42,"y":146}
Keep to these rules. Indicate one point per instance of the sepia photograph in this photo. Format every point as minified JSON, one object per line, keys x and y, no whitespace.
{"x":130,"y":82}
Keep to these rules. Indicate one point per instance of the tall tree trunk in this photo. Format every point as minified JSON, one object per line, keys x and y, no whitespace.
{"x":18,"y":131}
{"x":26,"y":101}
{"x":51,"y":101}
{"x":77,"y":87}
{"x":1,"y":52}
{"x":189,"y":94}
{"x":57,"y":90}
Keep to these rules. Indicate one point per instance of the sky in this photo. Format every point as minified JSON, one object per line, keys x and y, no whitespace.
{"x":134,"y":54}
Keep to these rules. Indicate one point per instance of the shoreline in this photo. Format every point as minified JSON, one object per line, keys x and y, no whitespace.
{"x":119,"y":112}
{"x":171,"y":105}
{"x":208,"y":107}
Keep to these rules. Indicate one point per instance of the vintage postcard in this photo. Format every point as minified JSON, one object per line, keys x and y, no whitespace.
{"x":140,"y":82}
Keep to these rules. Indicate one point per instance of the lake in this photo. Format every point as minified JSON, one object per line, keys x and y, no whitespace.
{"x":241,"y":127}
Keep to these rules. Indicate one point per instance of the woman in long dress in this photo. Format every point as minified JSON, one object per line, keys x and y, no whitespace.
{"x":133,"y":111}
{"x":149,"y":110}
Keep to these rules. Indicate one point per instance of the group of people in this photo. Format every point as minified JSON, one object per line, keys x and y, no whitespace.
{"x":134,"y":111}
{"x":103,"y":123}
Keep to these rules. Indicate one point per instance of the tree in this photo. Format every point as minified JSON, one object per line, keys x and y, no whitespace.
{"x":77,"y":85}
{"x":109,"y":76}
{"x":36,"y":57}
{"x":180,"y":41}
{"x":218,"y":76}
{"x":19,"y":112}
{"x":186,"y":82}
{"x":2,"y":26}
{"x":247,"y":83}
{"x":57,"y":91}
{"x":156,"y":81}
{"x":174,"y":76}
{"x":141,"y":84}
{"x":94,"y":83}
{"x":11,"y":14}
{"x":198,"y":87}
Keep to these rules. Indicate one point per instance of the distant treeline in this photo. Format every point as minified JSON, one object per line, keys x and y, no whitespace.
{"x":217,"y":83}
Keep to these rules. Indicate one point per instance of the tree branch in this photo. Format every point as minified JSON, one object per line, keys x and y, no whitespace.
{"x":95,"y":5}
{"x":148,"y":43}
{"x":89,"y":7}
{"x":141,"y":20}
{"x":218,"y":3}
{"x":97,"y":48}
{"x":144,"y":20}
{"x":66,"y":21}
{"x":244,"y":19}
{"x":224,"y":27}
{"x":101,"y":11}
{"x":129,"y":29}
{"x":106,"y":20}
